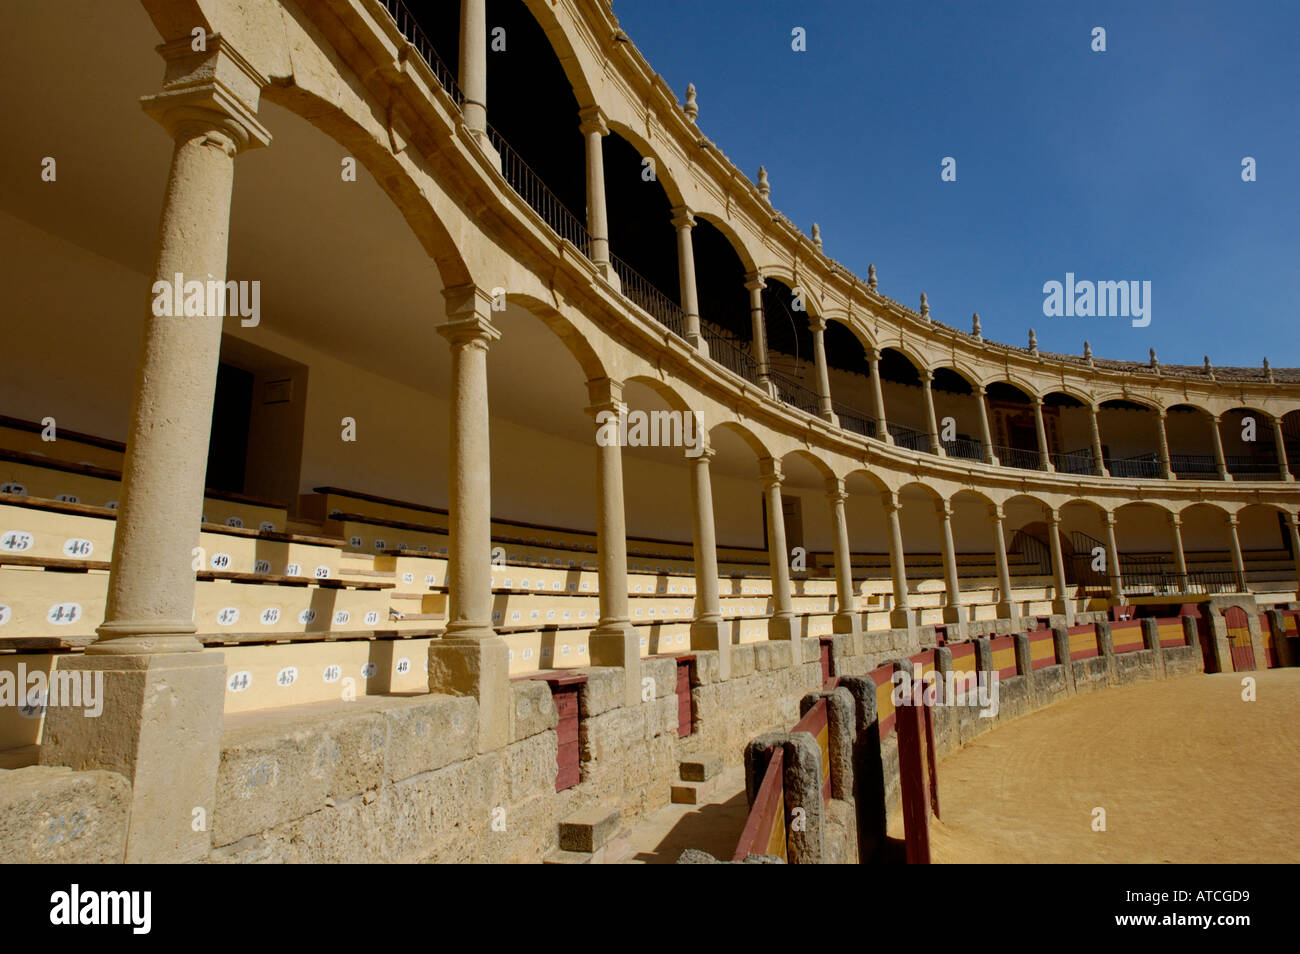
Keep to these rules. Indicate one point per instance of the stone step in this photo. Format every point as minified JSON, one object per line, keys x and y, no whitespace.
{"x":701,"y":770}
{"x":692,"y":793}
{"x":589,"y":829}
{"x":561,"y":857}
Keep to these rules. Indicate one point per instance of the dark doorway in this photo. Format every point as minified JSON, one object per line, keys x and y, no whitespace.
{"x":228,"y":447}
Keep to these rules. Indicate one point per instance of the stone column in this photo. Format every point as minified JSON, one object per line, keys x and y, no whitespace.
{"x":708,"y":629}
{"x":594,"y":129}
{"x":986,"y":433}
{"x":1180,"y":558}
{"x":927,"y":378}
{"x":1216,"y":440}
{"x":473,"y":65}
{"x":846,"y":618}
{"x":1112,"y":561}
{"x":900,"y":617}
{"x":1293,"y":525}
{"x":1044,"y":455}
{"x":755,"y":283}
{"x":818,"y":326}
{"x":683,"y":222}
{"x":162,"y":699}
{"x":1238,"y":563}
{"x":1162,"y":445}
{"x":470,"y":659}
{"x":1279,"y":443}
{"x":1062,"y":602}
{"x":783,"y":624}
{"x":953,"y":610}
{"x":1098,"y":459}
{"x":1004,"y":607}
{"x":878,"y":395}
{"x":613,"y":642}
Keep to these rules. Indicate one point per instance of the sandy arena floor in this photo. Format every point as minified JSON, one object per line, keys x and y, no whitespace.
{"x":1186,"y":771}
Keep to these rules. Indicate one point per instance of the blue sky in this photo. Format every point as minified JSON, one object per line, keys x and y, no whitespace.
{"x":1122,"y":165}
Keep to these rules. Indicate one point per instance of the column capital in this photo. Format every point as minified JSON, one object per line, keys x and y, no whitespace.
{"x":943,"y":508}
{"x":605,"y":394}
{"x":889,"y":500}
{"x":1036,"y":400}
{"x":683,"y":218}
{"x":214,"y":89}
{"x":769,"y":472}
{"x":1054,"y":516}
{"x":1175,"y":519}
{"x":469,"y":322}
{"x":835,"y":491}
{"x":1293,"y":519}
{"x":927,"y":376}
{"x":980,"y":389}
{"x":1162,"y":413}
{"x":816,"y":323}
{"x":592,"y":119}
{"x":706,"y":454}
{"x":996,"y":513}
{"x":1233,"y":520}
{"x":872,"y":352}
{"x":755,"y":281}
{"x":1215,"y":418}
{"x":1110,"y":518}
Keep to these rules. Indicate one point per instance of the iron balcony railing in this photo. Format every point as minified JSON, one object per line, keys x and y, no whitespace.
{"x":1141,"y":467}
{"x":1074,"y":462}
{"x":409,"y":27}
{"x":909,"y":437}
{"x":638,"y":290}
{"x":1261,"y":467}
{"x":854,"y":421}
{"x":964,"y":448}
{"x":1194,"y":464}
{"x":538,"y":195}
{"x":796,"y":395}
{"x":1018,"y":457}
{"x":729,"y":351}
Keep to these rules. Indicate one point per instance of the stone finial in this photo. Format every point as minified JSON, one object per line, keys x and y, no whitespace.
{"x":975,"y":326}
{"x":1087,"y":350}
{"x":1155,"y":362}
{"x":692,"y":108}
{"x":925,"y":307}
{"x":817,"y":235}
{"x":1209,"y":368}
{"x":1268,"y":371}
{"x":764,"y":187}
{"x":871,"y":277}
{"x":1033,"y":342}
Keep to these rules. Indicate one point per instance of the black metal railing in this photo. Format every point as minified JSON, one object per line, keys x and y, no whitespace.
{"x":964,"y":448}
{"x":796,"y":395}
{"x":1018,"y":457}
{"x":409,"y":27}
{"x":1198,"y":465}
{"x":1256,"y":467}
{"x":729,"y":351}
{"x":1141,"y":467}
{"x":1158,"y":579}
{"x":909,"y":437}
{"x":538,"y":195}
{"x":854,"y":421}
{"x":1032,"y":550}
{"x":1074,"y":462}
{"x":638,"y":290}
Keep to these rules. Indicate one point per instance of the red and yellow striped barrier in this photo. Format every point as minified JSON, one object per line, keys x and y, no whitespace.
{"x":1004,"y":656}
{"x":817,"y":724}
{"x":883,"y":677}
{"x":1083,"y":642}
{"x":1171,"y":632}
{"x":1126,"y":637}
{"x":1042,"y":649}
{"x":764,"y":832}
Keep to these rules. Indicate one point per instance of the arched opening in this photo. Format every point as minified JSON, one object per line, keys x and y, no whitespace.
{"x":1130,"y":441}
{"x":900,"y":380}
{"x":1191,"y":450}
{"x":1069,"y":433}
{"x":1015,"y":430}
{"x":1084,"y":548}
{"x":957,"y":414}
{"x":1267,"y":553}
{"x":850,"y":379}
{"x":1143,"y":536}
{"x":725,"y":320}
{"x":790,"y":346}
{"x":1249,"y":448}
{"x":642,"y":242}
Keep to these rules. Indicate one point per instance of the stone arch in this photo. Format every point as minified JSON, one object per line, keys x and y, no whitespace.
{"x":732,"y":236}
{"x":572,"y":337}
{"x":663,"y":174}
{"x":544,"y":13}
{"x":415,"y":204}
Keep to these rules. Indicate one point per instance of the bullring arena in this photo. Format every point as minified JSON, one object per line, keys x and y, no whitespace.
{"x":311,"y":493}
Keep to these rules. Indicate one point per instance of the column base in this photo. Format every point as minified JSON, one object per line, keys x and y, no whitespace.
{"x":846,"y":623}
{"x":900,"y":618}
{"x":954,"y":613}
{"x":144,"y":638}
{"x":616,"y":644}
{"x":696,"y":341}
{"x":606,"y":271}
{"x":478,"y":667}
{"x":1004,"y":609}
{"x":830,"y":417}
{"x":480,"y":139}
{"x":159,"y":724}
{"x":714,"y":635}
{"x":783,"y":626}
